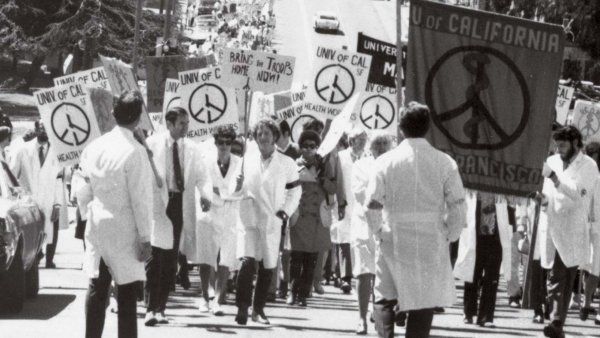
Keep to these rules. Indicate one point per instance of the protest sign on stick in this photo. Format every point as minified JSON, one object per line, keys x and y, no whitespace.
{"x":586,"y":117}
{"x":563,"y":102}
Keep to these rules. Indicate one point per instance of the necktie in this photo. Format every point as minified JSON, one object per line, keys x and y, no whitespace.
{"x":177,"y":172}
{"x":42,"y":156}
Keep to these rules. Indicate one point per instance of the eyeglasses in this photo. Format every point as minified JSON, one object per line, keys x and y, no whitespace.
{"x":309,"y":146}
{"x":220,"y":143}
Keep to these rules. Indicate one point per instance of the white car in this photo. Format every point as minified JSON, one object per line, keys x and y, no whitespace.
{"x":326,"y":21}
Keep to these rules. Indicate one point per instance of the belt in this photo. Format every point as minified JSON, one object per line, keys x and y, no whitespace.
{"x":174,"y":194}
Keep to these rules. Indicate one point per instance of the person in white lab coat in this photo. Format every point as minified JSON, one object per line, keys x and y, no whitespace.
{"x":568,"y":188}
{"x":179,"y":163}
{"x":118,"y":196}
{"x":420,"y":192}
{"x":270,"y":183}
{"x":363,"y":239}
{"x":357,"y":138}
{"x":37,"y":169}
{"x":217,"y":243}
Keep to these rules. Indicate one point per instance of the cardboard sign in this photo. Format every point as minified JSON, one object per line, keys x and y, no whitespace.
{"x":257,"y":71}
{"x":88,"y":78}
{"x":377,"y":109}
{"x":159,"y":69}
{"x":262,"y":107}
{"x":288,"y":107}
{"x":563,"y":101}
{"x":70,"y":122}
{"x":337,"y":76}
{"x":586,"y":117}
{"x":383,"y":65}
{"x":102,"y":103}
{"x":490,"y":82}
{"x":120,"y":78}
{"x":207,"y":102}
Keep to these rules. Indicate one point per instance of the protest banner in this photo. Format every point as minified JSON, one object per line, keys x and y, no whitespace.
{"x":490,"y":82}
{"x":383,"y":62}
{"x":102,"y":103}
{"x":71,"y":125}
{"x":159,"y":69}
{"x":262,"y":107}
{"x":288,"y":107}
{"x":120,"y":77}
{"x":563,"y":102}
{"x":337,"y":76}
{"x":586,"y":117}
{"x":377,"y":110}
{"x":257,"y":71}
{"x":339,"y":125}
{"x":207,"y":102}
{"x":95,"y":77}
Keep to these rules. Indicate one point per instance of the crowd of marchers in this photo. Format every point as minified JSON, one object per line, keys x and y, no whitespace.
{"x":264,"y":217}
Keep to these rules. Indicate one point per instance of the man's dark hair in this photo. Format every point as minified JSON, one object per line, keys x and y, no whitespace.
{"x":224,"y":132}
{"x":268,"y":124}
{"x":5,"y":120}
{"x":128,"y":107}
{"x":570,"y":134}
{"x":284,"y":127}
{"x":174,"y":113}
{"x":415,"y":121}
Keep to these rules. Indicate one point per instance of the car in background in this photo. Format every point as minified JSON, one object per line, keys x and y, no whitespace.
{"x":21,"y":238}
{"x":326,"y":21}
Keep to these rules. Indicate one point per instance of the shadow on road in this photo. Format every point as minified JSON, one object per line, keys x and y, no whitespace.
{"x":43,"y":307}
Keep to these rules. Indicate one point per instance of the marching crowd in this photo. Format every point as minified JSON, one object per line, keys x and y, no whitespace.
{"x":278,"y":219}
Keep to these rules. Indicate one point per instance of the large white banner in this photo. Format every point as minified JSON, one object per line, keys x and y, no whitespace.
{"x":69,"y":119}
{"x":207,"y":102}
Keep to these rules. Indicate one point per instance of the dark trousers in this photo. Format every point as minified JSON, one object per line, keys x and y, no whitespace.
{"x":175,"y":214}
{"x":418,"y":323}
{"x":95,"y":305}
{"x":538,"y":287}
{"x":160,"y":275}
{"x":51,"y":248}
{"x":343,"y":267}
{"x":488,"y":258}
{"x":302,"y":267}
{"x":243,"y":296}
{"x":560,"y":288}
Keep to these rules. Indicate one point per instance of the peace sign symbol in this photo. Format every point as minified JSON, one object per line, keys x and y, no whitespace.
{"x":297,"y":126}
{"x":377,"y":112}
{"x":70,"y":124}
{"x":334,"y":84}
{"x":209,"y":99}
{"x":589,"y":123}
{"x":476,"y":60}
{"x":175,"y":102}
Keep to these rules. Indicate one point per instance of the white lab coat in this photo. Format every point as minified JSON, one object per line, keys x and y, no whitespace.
{"x":567,"y":229}
{"x":341,"y":231}
{"x":195,"y":178}
{"x":363,"y":240}
{"x":423,"y":210}
{"x":276,"y":188}
{"x":119,"y":200}
{"x":593,"y":263}
{"x":40,"y":182}
{"x":217,"y":228}
{"x":465,"y":262}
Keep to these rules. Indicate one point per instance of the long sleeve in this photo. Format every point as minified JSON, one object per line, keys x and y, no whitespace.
{"x":139,"y":186}
{"x":293,"y":190}
{"x":454,"y":195}
{"x":203,"y":179}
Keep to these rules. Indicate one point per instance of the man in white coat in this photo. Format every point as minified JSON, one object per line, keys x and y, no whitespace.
{"x":179,"y":162}
{"x":37,"y":169}
{"x":420,"y":192}
{"x":568,"y":189}
{"x":272,"y":188}
{"x":118,"y":195}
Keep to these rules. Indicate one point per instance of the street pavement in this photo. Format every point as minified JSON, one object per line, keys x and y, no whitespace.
{"x":58,"y":312}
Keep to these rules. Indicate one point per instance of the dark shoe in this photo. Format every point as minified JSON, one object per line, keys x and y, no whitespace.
{"x":337,"y":282}
{"x":584,"y":313}
{"x":514,"y":302}
{"x":150,"y":319}
{"x":554,"y":330}
{"x":242,"y":316}
{"x":184,"y":281}
{"x":538,"y":319}
{"x":362,"y":328}
{"x":346,"y":288}
{"x":302,"y":301}
{"x":291,"y":299}
{"x":438,"y":310}
{"x":468,"y":319}
{"x":50,"y":265}
{"x":401,"y":319}
{"x":260,"y":317}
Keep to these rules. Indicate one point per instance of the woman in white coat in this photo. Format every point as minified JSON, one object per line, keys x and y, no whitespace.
{"x":272,"y":191}
{"x":217,"y":227}
{"x":483,"y":246}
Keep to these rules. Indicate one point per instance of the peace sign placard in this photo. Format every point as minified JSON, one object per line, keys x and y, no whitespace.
{"x":70,"y":120}
{"x":377,"y":110}
{"x":586,"y":117}
{"x":207,"y":102}
{"x":338,"y":75}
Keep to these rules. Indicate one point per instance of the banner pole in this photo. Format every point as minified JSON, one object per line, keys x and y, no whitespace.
{"x":399,"y":72}
{"x":136,"y":36}
{"x":247,"y":105}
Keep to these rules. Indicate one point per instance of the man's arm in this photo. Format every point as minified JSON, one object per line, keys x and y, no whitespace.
{"x":454,"y":196}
